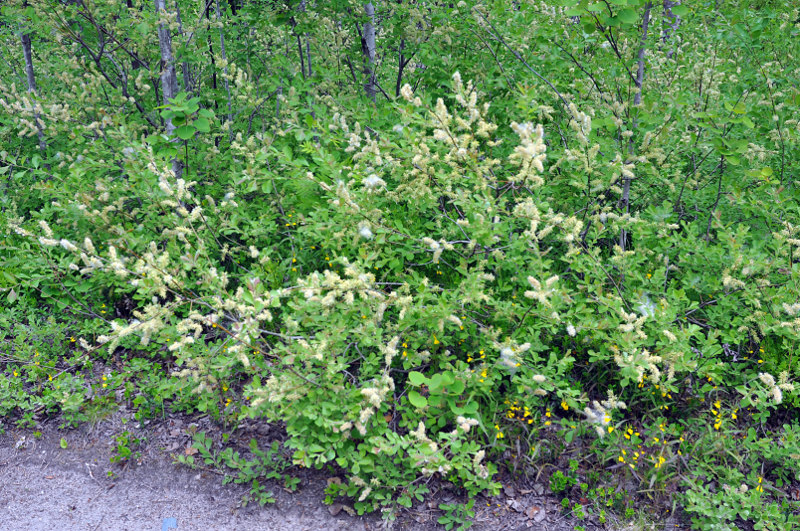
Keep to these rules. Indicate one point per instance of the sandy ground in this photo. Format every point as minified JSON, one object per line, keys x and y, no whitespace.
{"x":46,"y":487}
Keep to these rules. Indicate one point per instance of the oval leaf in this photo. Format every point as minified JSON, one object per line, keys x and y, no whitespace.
{"x":628,"y":16}
{"x":416,"y":399}
{"x":680,"y":11}
{"x":416,"y":378}
{"x":202,"y":125}
{"x":185,"y":132}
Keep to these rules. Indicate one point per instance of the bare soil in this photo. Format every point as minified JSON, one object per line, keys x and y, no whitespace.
{"x":44,"y":486}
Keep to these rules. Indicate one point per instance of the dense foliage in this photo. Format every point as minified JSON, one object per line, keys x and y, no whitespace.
{"x":432,"y":239}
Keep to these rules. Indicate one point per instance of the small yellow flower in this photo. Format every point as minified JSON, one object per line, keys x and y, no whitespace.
{"x":435,"y":341}
{"x":564,"y":405}
{"x":16,"y":373}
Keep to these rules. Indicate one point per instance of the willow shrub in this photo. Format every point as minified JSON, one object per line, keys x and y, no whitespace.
{"x":411,"y":302}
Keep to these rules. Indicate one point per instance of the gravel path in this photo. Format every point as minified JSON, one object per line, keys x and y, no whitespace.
{"x":51,"y":495}
{"x":45,"y":487}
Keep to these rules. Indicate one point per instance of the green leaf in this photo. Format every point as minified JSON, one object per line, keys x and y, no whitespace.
{"x":417,"y":378}
{"x":202,"y":125}
{"x":185,"y":132}
{"x":628,"y":16}
{"x":680,"y":11}
{"x":416,"y":399}
{"x":456,"y":387}
{"x":436,"y":382}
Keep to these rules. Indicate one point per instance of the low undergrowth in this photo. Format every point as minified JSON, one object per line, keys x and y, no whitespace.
{"x":585,"y":284}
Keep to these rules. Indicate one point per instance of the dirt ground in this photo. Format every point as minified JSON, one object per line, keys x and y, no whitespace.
{"x":44,"y":486}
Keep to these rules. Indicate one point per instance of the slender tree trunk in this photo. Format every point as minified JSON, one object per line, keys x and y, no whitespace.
{"x":187,"y":76}
{"x":135,"y":62}
{"x":369,"y":50}
{"x":302,"y":8}
{"x":671,"y":23}
{"x":31,"y":78}
{"x":225,"y":71}
{"x":300,"y":52}
{"x":308,"y":56}
{"x":213,"y":68}
{"x":637,"y":100}
{"x":401,"y":64}
{"x":169,"y":80}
